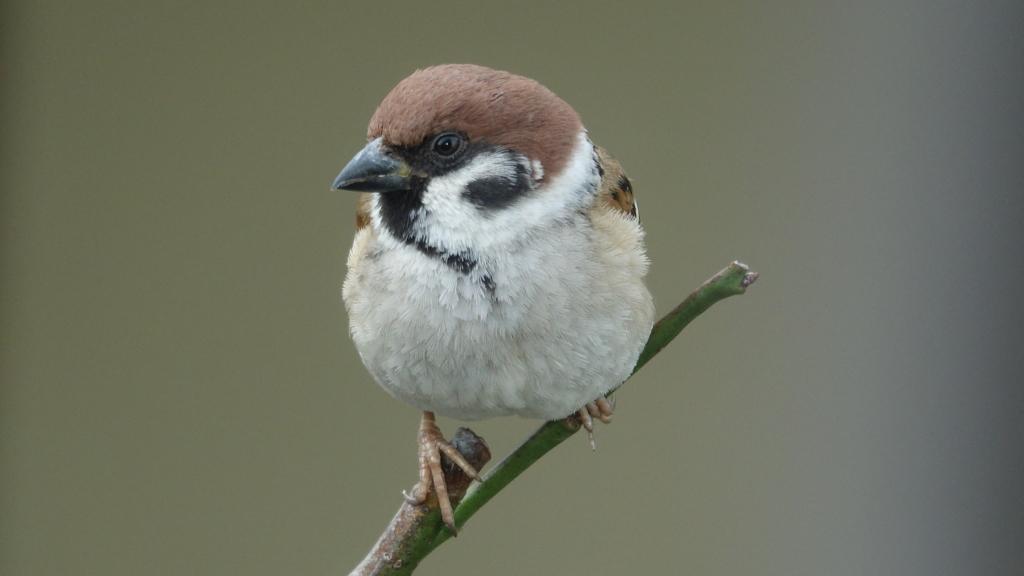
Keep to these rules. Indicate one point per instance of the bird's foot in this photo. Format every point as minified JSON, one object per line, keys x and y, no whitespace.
{"x":601,"y":409}
{"x":432,"y":444}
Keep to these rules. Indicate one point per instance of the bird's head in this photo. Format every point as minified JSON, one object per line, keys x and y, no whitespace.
{"x":462,"y":157}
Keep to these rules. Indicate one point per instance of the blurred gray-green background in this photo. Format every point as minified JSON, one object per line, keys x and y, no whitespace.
{"x":180,"y":395}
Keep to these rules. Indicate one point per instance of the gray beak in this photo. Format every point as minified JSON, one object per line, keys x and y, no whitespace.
{"x":373,"y":170}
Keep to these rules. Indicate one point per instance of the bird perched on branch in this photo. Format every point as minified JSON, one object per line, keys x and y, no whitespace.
{"x":498,"y":264}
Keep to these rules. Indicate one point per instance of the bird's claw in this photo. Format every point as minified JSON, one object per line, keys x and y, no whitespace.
{"x":431,"y":445}
{"x":602,"y":409}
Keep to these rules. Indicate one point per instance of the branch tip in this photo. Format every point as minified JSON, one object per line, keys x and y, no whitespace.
{"x":748,"y":279}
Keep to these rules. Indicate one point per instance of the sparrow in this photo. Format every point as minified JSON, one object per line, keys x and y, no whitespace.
{"x":498,"y":264}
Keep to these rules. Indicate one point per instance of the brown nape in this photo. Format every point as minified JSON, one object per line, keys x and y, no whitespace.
{"x":487,"y":105}
{"x":616,"y":190}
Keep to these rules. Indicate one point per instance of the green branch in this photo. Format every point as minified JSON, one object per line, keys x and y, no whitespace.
{"x":401,"y":553}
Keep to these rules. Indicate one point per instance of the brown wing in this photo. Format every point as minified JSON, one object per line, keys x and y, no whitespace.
{"x":363,"y":211}
{"x":616,"y":190}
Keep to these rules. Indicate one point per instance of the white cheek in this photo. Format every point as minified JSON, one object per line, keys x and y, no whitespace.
{"x":447,"y":213}
{"x":450,"y":221}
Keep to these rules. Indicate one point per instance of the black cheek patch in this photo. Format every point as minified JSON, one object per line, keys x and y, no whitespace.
{"x":497,"y":192}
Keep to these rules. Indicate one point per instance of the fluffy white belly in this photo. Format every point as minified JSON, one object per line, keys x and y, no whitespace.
{"x":547,"y":332}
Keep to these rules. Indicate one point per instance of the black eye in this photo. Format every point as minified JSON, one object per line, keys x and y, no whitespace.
{"x":447,"y":144}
